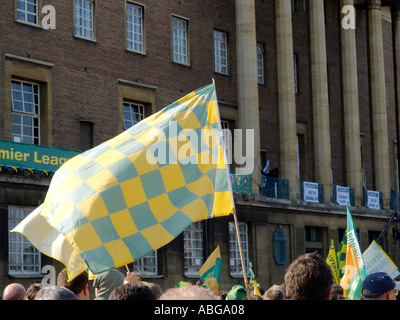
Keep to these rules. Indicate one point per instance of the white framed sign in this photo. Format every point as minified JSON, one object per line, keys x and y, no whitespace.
{"x":342,"y":195}
{"x":373,"y":199}
{"x":310,"y":191}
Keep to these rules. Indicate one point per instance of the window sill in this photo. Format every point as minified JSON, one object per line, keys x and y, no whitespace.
{"x":38,"y":26}
{"x":26,"y":276}
{"x":83,"y":38}
{"x":137,"y":52}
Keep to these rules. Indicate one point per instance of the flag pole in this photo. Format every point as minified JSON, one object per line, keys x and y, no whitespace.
{"x":246,"y":283}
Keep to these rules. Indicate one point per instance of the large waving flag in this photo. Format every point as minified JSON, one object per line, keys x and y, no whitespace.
{"x":331,"y":260}
{"x":51,"y":242}
{"x":135,"y":193}
{"x":211,"y":270}
{"x":354,"y":273}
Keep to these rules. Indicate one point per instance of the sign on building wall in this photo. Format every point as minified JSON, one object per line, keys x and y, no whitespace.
{"x":310,"y":191}
{"x":373,"y":199}
{"x":22,"y":155}
{"x":342,"y":195}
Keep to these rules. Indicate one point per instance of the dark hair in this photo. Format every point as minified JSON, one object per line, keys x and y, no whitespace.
{"x":132,"y":291}
{"x":33,"y":290}
{"x":308,"y":277}
{"x":76,"y":285}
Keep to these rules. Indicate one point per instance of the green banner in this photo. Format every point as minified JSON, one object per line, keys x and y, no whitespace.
{"x":241,"y":183}
{"x":22,"y":155}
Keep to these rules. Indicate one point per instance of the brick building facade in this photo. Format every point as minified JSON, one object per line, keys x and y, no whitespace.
{"x":107,"y":57}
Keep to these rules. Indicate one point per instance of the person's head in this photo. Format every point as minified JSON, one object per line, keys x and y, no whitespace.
{"x":33,"y":290}
{"x":55,"y":293}
{"x":275,"y":293}
{"x":106,"y":282}
{"x":14,"y":291}
{"x":308,"y":277}
{"x":379,"y":286}
{"x":337,"y":292}
{"x":157,"y":291}
{"x":238,"y":292}
{"x":132,"y":291}
{"x":78,"y":285}
{"x":189,"y":292}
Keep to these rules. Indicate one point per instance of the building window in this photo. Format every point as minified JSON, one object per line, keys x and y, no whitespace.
{"x":227,"y":135}
{"x":25,"y":115}
{"x":235,"y":261}
{"x":133,"y":113}
{"x":85,"y":134}
{"x":260,"y":63}
{"x":180,"y":40}
{"x":220,"y":52}
{"x":27,"y":11}
{"x":134,"y":28}
{"x":296,"y":88}
{"x":193,"y":243}
{"x":146,"y":265}
{"x":314,"y":239}
{"x":23,"y":257}
{"x":84,"y":19}
{"x":298,"y":6}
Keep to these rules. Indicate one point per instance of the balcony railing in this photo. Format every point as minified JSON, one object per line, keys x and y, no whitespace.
{"x":311,"y":191}
{"x":274,"y":187}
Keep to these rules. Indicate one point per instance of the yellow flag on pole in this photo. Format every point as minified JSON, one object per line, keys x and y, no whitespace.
{"x":331,"y":260}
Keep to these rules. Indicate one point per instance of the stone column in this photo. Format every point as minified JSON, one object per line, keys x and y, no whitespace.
{"x":286,"y":95}
{"x":351,"y":116}
{"x":320,"y":102}
{"x":378,"y":101}
{"x":247,"y":81}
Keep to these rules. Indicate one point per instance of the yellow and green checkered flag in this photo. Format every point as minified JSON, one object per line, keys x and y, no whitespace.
{"x":135,"y":193}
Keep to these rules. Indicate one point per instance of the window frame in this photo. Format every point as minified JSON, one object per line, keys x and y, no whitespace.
{"x":262,"y":61}
{"x":20,"y":240}
{"x":295,"y":73}
{"x":235,"y":263}
{"x":196,"y":228}
{"x":93,"y":19}
{"x":37,"y":14}
{"x":35,"y":114}
{"x":143,"y":29}
{"x":140,"y":265}
{"x":141,"y":112}
{"x":217,"y":47}
{"x":186,"y":39}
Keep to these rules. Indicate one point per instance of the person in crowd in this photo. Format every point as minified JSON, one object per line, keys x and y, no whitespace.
{"x":238,"y":292}
{"x":157,"y":291}
{"x":79,"y":285}
{"x":337,"y":292}
{"x":189,"y":292}
{"x":276,"y":292}
{"x":132,"y":291}
{"x":14,"y":291}
{"x":55,"y":293}
{"x":105,"y":282}
{"x":379,"y":286}
{"x":308,"y":277}
{"x":33,"y":290}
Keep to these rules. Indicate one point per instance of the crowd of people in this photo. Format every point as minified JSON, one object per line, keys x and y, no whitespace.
{"x":308,"y":277}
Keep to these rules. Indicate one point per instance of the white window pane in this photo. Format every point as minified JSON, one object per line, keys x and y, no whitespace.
{"x":23,"y":258}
